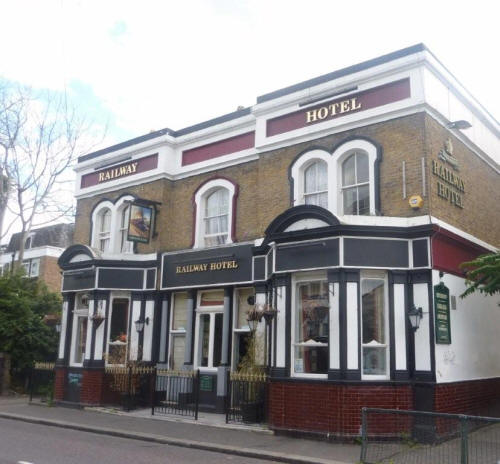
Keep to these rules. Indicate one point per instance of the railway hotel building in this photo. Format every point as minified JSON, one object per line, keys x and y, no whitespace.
{"x":346,"y":203}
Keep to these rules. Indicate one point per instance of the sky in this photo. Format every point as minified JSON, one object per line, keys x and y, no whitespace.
{"x":137,"y":66}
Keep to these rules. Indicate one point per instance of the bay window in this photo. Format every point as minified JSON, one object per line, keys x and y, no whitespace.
{"x":79,"y":330}
{"x":118,"y":331}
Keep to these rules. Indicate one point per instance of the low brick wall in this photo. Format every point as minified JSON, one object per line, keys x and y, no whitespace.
{"x":329,"y":408}
{"x":475,"y":397}
{"x":60,"y":384}
{"x":92,"y":387}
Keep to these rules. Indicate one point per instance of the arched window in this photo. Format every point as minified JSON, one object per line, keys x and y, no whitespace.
{"x":316,"y":184}
{"x":214,"y":202}
{"x":125,"y":245}
{"x":104,"y":230}
{"x":216,"y":217}
{"x":356,"y":184}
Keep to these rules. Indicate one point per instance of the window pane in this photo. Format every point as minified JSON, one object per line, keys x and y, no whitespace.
{"x":373,"y":304}
{"x":311,"y":328}
{"x":348,"y":176}
{"x":364,"y":200}
{"x":119,"y":320}
{"x":81,"y":338}
{"x":316,"y":177}
{"x":204,"y":339}
{"x":177,"y":353}
{"x":217,"y":339}
{"x":362,"y":174}
{"x":350,"y":201}
{"x":179,"y":311}
{"x":243,"y":307}
{"x":212,"y":298}
{"x":374,"y":360}
{"x":105,"y":221}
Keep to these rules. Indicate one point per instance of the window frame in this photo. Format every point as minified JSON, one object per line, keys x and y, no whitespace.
{"x":300,"y":278}
{"x":118,"y":296}
{"x":79,"y":312}
{"x":334,"y":161}
{"x":200,"y":197}
{"x":375,"y":275}
{"x":173,"y":333}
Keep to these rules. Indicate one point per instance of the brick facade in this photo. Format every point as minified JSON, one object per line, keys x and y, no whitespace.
{"x":329,"y":408}
{"x":50,"y":273}
{"x":60,"y":383}
{"x":92,"y":387}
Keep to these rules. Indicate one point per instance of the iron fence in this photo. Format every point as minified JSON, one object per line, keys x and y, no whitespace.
{"x":392,"y":436}
{"x":129,"y":386}
{"x":176,"y":392}
{"x":41,"y":382}
{"x":246,"y":399}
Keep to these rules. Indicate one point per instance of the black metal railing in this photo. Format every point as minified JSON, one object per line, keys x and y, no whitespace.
{"x":246,"y":399}
{"x":130,"y":386}
{"x":394,"y":436}
{"x":176,"y":392}
{"x":41,"y":382}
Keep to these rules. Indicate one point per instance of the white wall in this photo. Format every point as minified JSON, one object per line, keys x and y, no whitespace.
{"x":474,"y":352}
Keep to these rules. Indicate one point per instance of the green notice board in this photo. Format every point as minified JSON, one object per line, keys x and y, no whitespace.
{"x":442,"y":313}
{"x":206,"y":383}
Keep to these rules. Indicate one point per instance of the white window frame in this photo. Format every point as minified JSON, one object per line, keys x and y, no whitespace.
{"x":118,"y":296}
{"x":200,"y":201}
{"x":115,"y":228}
{"x":296,"y":279}
{"x":235,"y":330}
{"x":37,"y":261}
{"x":375,"y":275}
{"x":173,"y":332}
{"x":211,"y":311}
{"x":334,"y":161}
{"x":78,"y":312}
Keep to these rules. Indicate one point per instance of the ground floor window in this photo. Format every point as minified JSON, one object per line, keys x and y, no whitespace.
{"x":311,"y":327}
{"x":374,"y":323}
{"x":79,"y":329}
{"x":244,"y":299}
{"x":118,"y":331}
{"x":178,"y":318}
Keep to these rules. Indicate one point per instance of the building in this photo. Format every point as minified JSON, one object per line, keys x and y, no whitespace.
{"x":345,"y":202}
{"x":42,"y":248}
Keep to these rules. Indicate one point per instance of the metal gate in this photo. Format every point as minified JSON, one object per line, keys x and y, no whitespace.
{"x":246,"y":399}
{"x":176,"y":392}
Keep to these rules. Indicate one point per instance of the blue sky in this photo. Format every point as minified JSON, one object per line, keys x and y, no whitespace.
{"x":141,"y":66}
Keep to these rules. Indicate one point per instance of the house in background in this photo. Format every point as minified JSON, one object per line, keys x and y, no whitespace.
{"x":42,"y":248}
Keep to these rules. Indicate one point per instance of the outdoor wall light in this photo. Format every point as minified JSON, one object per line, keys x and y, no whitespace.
{"x":254,"y":316}
{"x":461,"y":124}
{"x":58,"y":327}
{"x":139,"y":324}
{"x":415,"y":315}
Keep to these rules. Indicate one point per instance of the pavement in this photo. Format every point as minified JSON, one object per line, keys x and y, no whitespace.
{"x":209,"y":433}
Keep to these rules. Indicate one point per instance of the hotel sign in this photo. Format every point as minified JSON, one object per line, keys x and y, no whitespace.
{"x":353,"y":103}
{"x":213,"y":266}
{"x":451,"y":186}
{"x":121,"y":170}
{"x":442,"y":313}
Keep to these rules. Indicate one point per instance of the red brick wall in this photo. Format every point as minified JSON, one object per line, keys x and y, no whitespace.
{"x":92,"y":385}
{"x":60,"y":384}
{"x":330,"y":408}
{"x":472,"y":397}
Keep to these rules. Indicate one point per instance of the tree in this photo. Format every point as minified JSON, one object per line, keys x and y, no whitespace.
{"x":40,"y":137}
{"x":482,"y":275}
{"x":23,"y":333}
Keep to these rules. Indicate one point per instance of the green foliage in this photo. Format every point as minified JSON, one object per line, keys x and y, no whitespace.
{"x":482,"y":275}
{"x":23,"y":333}
{"x":252,"y":361}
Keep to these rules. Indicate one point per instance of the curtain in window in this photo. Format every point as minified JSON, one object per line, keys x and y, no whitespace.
{"x":216,"y":217}
{"x":316,"y":184}
{"x":104,"y":230}
{"x":125,"y":245}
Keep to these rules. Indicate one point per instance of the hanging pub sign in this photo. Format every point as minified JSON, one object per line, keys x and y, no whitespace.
{"x":140,"y":222}
{"x":442,"y":313}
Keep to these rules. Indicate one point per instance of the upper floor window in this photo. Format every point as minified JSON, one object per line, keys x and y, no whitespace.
{"x":29,"y":242}
{"x":104,"y":230}
{"x":110,"y":226}
{"x":342,"y":182}
{"x":214,"y":202}
{"x":316,"y":184}
{"x":356,"y":184}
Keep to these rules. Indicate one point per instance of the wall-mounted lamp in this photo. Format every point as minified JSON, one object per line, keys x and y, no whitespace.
{"x":461,"y":124}
{"x":254,"y":316}
{"x":58,"y":327}
{"x":139,"y":324}
{"x":415,"y":315}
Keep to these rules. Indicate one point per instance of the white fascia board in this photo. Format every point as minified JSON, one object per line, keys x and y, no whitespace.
{"x":31,"y":253}
{"x":363,"y":79}
{"x":133,"y":150}
{"x":128,"y":257}
{"x":460,"y":91}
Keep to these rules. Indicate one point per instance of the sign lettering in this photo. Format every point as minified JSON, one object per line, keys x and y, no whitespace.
{"x":213,"y":266}
{"x":442,"y":313}
{"x":110,"y":174}
{"x":452,"y":188}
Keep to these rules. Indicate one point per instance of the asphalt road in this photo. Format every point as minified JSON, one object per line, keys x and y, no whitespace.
{"x":22,"y":443}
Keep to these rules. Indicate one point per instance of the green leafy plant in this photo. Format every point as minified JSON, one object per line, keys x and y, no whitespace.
{"x":482,"y":275}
